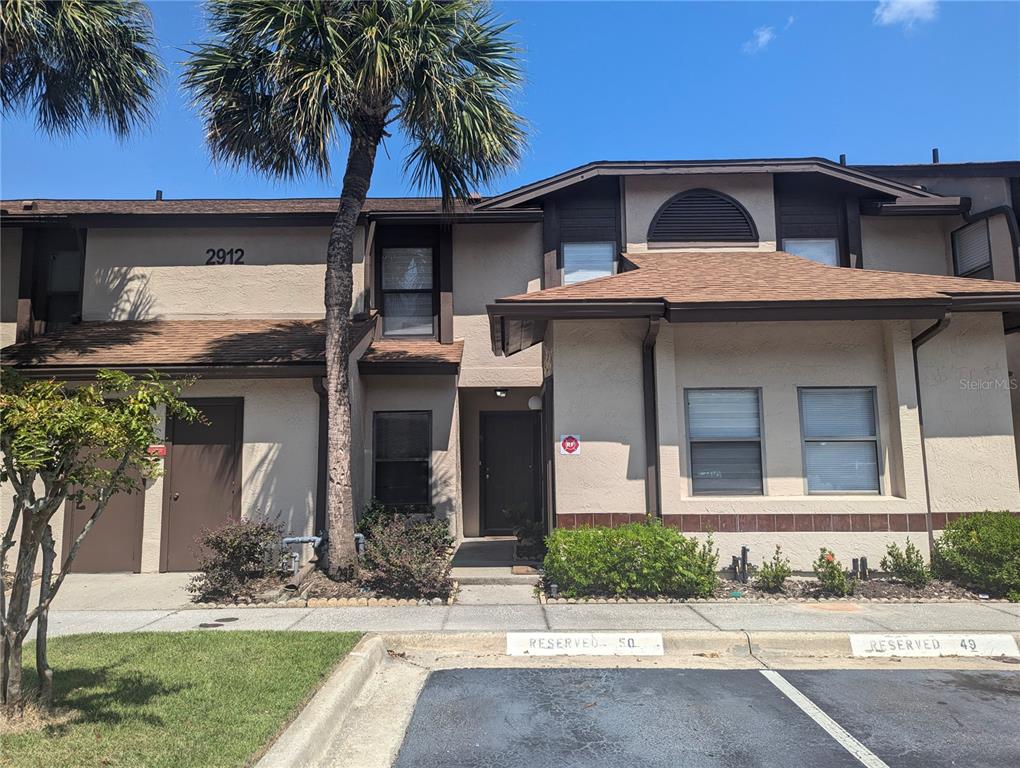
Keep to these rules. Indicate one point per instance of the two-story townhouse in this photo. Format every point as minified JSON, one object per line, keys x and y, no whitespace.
{"x":651,"y":311}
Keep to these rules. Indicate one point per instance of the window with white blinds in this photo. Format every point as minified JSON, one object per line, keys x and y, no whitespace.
{"x":585,"y":261}
{"x":972,"y":251}
{"x":724,"y":441}
{"x":840,"y":433}
{"x":408,"y":303}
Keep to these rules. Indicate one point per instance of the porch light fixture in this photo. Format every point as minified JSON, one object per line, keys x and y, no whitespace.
{"x":535,"y":403}
{"x":501,"y":393}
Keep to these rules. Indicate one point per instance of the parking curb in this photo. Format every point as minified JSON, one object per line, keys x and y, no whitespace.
{"x":306,"y":740}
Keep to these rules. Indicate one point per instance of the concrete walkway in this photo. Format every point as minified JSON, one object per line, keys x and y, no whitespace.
{"x":789,"y":617}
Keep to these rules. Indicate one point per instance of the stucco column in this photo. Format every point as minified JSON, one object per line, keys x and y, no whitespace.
{"x":670,"y":481}
{"x":152,"y":510}
{"x":907,"y":470}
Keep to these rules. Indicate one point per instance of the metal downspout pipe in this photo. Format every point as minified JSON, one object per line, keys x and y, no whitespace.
{"x":922,"y":338}
{"x":653,"y":500}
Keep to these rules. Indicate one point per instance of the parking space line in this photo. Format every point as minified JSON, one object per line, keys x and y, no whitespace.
{"x":830,"y":726}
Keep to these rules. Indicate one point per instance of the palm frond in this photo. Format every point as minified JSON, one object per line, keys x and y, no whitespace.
{"x":78,"y":62}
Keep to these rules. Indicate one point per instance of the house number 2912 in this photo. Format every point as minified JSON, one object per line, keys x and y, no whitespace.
{"x":224,"y":255}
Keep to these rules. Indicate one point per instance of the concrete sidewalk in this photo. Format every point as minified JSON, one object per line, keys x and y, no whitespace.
{"x":723,"y":616}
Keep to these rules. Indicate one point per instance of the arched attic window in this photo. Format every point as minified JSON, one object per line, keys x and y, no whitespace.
{"x":701,"y":216}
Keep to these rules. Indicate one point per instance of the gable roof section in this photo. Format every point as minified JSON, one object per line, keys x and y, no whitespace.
{"x":745,"y":286}
{"x":680,"y":167}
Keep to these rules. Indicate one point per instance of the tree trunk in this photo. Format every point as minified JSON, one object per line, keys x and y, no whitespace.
{"x":341,"y":555}
{"x":14,"y":622}
{"x":42,"y":664}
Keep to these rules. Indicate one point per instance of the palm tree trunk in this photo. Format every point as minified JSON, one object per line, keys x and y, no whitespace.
{"x":339,"y":294}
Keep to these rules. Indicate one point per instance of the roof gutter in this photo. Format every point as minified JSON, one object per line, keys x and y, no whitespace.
{"x":923,"y":338}
{"x":653,"y":495}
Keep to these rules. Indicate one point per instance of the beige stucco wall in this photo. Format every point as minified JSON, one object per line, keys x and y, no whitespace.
{"x":10,"y":266}
{"x":473,"y":401}
{"x":965,"y":387}
{"x":597,"y":375}
{"x":279,"y":457}
{"x":777,"y":358}
{"x":437,"y":394}
{"x":491,"y":261}
{"x":645,"y":195}
{"x":161,"y":273}
{"x":919,"y":244}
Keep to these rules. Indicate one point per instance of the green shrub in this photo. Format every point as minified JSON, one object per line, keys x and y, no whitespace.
{"x":405,"y":559}
{"x":906,"y":565}
{"x":773,"y":573}
{"x":833,"y":578}
{"x":233,"y":555}
{"x":376,"y":511}
{"x":642,"y":559}
{"x":981,"y":552}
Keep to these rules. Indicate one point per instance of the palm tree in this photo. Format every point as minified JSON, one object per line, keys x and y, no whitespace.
{"x":78,"y":63}
{"x":282,"y":83}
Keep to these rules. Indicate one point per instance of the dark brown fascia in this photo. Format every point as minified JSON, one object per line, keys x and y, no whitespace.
{"x":770,"y":311}
{"x":632,"y":168}
{"x":915,"y":206}
{"x":971,"y":170}
{"x":259,"y":371}
{"x":407,"y":368}
{"x":128,"y":220}
{"x":576,"y":310}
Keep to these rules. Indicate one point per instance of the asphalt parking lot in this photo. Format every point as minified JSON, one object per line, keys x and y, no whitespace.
{"x":695,"y":718}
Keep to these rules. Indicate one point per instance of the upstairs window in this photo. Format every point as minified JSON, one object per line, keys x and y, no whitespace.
{"x":702,"y":216}
{"x":408,"y":304}
{"x":840,"y":433}
{"x":724,"y":441}
{"x":972,"y":251}
{"x":402,"y":448}
{"x":585,"y":261}
{"x":822,"y":250}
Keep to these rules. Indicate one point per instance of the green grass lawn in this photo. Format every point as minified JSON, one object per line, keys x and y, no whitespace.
{"x":174,"y":700}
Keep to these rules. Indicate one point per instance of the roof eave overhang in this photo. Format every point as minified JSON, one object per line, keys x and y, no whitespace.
{"x":612,"y":168}
{"x":408,"y":368}
{"x":498,"y":216}
{"x":253,"y":371}
{"x":750,"y":312}
{"x":925,"y":206}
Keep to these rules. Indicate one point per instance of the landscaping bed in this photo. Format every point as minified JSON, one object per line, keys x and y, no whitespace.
{"x":172,"y":700}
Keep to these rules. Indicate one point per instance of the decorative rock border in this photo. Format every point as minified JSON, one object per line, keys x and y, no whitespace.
{"x":339,"y":602}
{"x":546,"y":600}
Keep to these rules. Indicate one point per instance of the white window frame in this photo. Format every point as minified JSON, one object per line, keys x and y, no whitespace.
{"x":613,"y":260}
{"x":876,"y":439}
{"x":690,"y":440}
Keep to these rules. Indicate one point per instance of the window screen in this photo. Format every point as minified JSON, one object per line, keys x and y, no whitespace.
{"x":403,"y":447}
{"x":724,"y":440}
{"x":406,"y":286}
{"x":822,"y":250}
{"x":972,"y":251}
{"x":840,"y":433}
{"x":584,"y":261}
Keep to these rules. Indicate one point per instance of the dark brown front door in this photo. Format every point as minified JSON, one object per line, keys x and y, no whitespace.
{"x":511,"y":466}
{"x":114,"y":543}
{"x":203,"y":481}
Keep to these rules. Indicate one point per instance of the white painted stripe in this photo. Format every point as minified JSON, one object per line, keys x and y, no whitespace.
{"x":834,"y":729}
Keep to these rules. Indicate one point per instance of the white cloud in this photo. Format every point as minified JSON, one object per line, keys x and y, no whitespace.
{"x":760,"y":39}
{"x":905,"y":12}
{"x":789,"y":22}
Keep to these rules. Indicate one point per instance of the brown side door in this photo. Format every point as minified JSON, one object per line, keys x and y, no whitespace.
{"x":114,"y":543}
{"x":202,"y":488}
{"x":511,"y":466}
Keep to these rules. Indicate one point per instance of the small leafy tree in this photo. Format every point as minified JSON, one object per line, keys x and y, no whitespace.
{"x":82,"y":443}
{"x":773,"y":573}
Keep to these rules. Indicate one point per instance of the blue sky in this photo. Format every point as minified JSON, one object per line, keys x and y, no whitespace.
{"x":883,"y":82}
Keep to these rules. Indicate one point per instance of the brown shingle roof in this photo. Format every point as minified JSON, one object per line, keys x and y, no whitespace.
{"x":200,"y":206}
{"x":178,"y":343}
{"x":721,"y":277}
{"x":425,"y":355}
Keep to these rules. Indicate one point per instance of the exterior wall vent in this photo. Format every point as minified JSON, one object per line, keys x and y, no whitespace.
{"x":702,"y":216}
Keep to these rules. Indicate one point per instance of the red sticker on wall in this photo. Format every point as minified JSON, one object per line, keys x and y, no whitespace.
{"x":570,"y":445}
